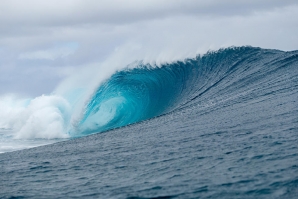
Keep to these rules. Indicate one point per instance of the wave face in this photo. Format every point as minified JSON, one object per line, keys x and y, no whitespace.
{"x":147,"y":91}
{"x":137,"y":94}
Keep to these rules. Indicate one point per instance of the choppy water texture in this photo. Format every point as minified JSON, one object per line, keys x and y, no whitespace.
{"x":227,"y":128}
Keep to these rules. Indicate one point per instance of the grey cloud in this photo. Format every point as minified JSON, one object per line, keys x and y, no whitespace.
{"x":32,"y":34}
{"x":63,"y":13}
{"x":32,"y":81}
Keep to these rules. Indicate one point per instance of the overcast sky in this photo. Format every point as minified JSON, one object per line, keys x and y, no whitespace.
{"x":43,"y":42}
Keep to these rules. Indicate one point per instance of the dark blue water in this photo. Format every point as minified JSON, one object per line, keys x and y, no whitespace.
{"x":227,"y":128}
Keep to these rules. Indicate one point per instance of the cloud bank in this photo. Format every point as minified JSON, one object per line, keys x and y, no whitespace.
{"x":43,"y":42}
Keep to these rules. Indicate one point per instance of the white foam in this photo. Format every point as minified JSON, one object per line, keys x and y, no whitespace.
{"x":43,"y":117}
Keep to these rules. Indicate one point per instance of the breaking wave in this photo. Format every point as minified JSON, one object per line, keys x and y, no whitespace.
{"x":143,"y":92}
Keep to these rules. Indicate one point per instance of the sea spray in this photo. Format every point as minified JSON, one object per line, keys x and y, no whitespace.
{"x":43,"y":117}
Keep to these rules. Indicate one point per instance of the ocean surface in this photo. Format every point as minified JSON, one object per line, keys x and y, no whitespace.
{"x":221,"y":125}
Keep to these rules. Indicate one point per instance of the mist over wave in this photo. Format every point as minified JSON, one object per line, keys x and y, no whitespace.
{"x":87,"y":104}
